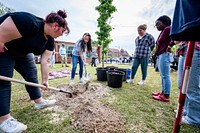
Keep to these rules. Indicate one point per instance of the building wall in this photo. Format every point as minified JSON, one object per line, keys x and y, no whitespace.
{"x":69,"y":47}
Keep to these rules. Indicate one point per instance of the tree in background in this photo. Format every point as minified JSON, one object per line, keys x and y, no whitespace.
{"x":105,"y":10}
{"x":4,"y":9}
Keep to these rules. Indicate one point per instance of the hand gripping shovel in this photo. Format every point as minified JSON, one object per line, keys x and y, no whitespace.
{"x":86,"y":75}
{"x":33,"y":84}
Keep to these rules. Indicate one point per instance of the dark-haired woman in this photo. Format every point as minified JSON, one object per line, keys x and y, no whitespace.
{"x":79,"y":56}
{"x":21,"y":36}
{"x":163,"y":48}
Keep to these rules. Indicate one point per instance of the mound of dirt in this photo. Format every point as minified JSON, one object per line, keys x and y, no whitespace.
{"x":95,"y":117}
{"x":88,"y":113}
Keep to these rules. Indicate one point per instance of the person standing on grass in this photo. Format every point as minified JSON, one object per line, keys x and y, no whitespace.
{"x":79,"y":55}
{"x":53,"y":59}
{"x":21,"y":35}
{"x":163,"y":49}
{"x":191,"y":112}
{"x":94,"y":56}
{"x":145,"y":42}
{"x":63,"y":55}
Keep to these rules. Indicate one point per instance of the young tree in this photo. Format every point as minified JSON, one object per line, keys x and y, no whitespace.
{"x":105,"y":10}
{"x":4,"y":9}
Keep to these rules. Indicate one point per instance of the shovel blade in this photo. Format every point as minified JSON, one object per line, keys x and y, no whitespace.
{"x":87,"y":77}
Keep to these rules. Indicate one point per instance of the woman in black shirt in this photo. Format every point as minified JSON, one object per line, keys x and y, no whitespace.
{"x":21,"y":36}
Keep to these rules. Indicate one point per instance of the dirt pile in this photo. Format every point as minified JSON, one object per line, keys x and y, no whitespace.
{"x":88,"y":113}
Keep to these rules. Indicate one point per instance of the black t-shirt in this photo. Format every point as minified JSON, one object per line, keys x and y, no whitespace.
{"x":33,"y":40}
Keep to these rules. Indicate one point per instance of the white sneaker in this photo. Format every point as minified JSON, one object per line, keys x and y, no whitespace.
{"x":130,"y":81}
{"x":184,"y":120}
{"x":141,"y":83}
{"x":81,"y":80}
{"x":44,"y":103}
{"x":183,"y":113}
{"x":71,"y":82}
{"x":11,"y":125}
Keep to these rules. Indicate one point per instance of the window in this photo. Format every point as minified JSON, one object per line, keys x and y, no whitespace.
{"x":69,"y":51}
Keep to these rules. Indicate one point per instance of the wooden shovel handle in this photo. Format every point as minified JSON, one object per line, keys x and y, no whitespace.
{"x":26,"y":83}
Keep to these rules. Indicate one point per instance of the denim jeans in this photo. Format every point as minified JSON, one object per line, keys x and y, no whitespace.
{"x":27,"y":68}
{"x":75,"y":61}
{"x":192,"y":103}
{"x":164,"y":68}
{"x":144,"y":64}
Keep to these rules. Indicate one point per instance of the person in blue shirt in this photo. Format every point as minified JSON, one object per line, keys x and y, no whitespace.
{"x":94,"y":57}
{"x":79,"y":55}
{"x":63,"y":55}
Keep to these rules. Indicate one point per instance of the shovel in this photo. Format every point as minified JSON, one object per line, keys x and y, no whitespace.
{"x":33,"y":84}
{"x":86,"y":75}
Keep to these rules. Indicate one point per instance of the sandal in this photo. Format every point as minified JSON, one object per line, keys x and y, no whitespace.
{"x":156,"y":93}
{"x":160,"y":98}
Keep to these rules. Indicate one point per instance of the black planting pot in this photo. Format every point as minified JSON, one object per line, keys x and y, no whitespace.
{"x":111,"y":67}
{"x":101,"y":74}
{"x":115,"y":78}
{"x":123,"y":70}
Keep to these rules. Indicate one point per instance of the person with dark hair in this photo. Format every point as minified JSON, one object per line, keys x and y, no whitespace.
{"x":163,"y":49}
{"x":145,"y":42}
{"x":79,"y":55}
{"x":21,"y":36}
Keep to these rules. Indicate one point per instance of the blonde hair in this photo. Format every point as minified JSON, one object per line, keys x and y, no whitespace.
{"x":143,"y":27}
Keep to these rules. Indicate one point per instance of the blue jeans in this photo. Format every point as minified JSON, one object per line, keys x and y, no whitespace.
{"x":192,"y":103}
{"x":164,"y":68}
{"x":27,"y":68}
{"x":75,"y":61}
{"x":144,"y":64}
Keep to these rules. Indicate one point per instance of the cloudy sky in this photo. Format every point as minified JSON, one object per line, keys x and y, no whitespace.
{"x":82,"y":17}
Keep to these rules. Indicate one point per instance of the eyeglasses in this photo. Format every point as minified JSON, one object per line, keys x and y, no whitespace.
{"x":158,"y":23}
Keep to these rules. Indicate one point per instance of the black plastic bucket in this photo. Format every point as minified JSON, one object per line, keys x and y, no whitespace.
{"x":115,"y":78}
{"x":123,"y":70}
{"x":101,"y":74}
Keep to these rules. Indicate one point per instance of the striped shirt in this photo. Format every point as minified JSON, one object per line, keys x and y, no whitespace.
{"x":144,"y":45}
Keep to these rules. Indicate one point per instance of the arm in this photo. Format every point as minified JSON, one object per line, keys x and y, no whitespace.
{"x":8,"y":32}
{"x":45,"y":61}
{"x":83,"y":57}
{"x":152,"y":44}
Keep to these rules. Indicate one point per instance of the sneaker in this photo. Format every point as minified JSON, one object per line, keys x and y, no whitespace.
{"x":81,"y":80}
{"x":44,"y":103}
{"x":184,"y":120}
{"x":183,"y":112}
{"x":11,"y":125}
{"x":141,"y":83}
{"x":71,"y":82}
{"x":130,"y":81}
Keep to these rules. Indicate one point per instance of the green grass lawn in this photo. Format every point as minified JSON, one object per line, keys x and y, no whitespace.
{"x":140,"y":112}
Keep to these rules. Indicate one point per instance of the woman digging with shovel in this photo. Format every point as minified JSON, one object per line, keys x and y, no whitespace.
{"x":79,"y":56}
{"x":22,"y":35}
